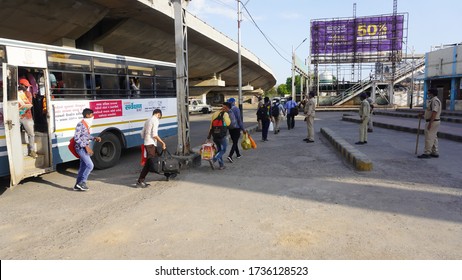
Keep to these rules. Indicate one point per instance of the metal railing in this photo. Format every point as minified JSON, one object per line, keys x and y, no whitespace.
{"x":401,"y":73}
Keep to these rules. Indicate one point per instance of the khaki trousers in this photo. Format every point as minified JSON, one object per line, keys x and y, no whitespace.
{"x":431,"y":138}
{"x":363,"y":129}
{"x":310,"y":127}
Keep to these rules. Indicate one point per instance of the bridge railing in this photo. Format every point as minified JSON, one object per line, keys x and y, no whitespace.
{"x":362,"y":85}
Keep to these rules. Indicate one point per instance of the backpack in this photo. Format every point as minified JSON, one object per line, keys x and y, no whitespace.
{"x":294,"y":111}
{"x":275,"y":110}
{"x":262,"y":112}
{"x":219,"y":127}
{"x":233,"y":119}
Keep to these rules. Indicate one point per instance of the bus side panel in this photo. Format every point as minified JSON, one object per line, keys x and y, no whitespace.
{"x":126,"y":116}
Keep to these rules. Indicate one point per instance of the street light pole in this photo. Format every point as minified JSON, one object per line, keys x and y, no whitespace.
{"x":239,"y":62}
{"x":182,"y":85}
{"x":293,"y":68}
{"x":412,"y":78}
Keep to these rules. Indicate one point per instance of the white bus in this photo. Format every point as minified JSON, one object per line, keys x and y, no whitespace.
{"x":122,"y":91}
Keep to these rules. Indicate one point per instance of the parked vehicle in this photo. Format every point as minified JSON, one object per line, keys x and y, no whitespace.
{"x":196,"y":105}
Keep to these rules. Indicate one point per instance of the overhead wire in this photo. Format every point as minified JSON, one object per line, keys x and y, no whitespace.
{"x":264,"y":35}
{"x":250,"y":18}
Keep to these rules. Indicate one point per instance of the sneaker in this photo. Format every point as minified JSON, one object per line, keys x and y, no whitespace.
{"x":142,"y":184}
{"x":80,"y":187}
{"x":435,"y":155}
{"x":424,"y":156}
{"x":230,"y":159}
{"x":370,"y":130}
{"x":222,"y":167}
{"x":238,"y":156}
{"x":360,"y":143}
{"x":309,"y":141}
{"x":33,"y":154}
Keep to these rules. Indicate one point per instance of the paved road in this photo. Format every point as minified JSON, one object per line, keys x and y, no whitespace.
{"x":285,"y":200}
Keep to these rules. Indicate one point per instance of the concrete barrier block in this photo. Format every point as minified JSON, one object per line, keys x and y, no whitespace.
{"x":358,"y":159}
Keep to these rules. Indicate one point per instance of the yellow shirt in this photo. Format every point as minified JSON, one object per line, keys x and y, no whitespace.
{"x":226,"y":118}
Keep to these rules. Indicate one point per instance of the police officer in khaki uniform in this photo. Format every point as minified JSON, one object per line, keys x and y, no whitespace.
{"x":432,"y":123}
{"x":309,"y":111}
{"x":364,"y":114}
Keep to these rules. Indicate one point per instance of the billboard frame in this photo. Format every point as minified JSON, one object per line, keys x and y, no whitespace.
{"x":368,"y":39}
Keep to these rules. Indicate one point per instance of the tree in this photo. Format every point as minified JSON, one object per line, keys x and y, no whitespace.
{"x":271,"y":92}
{"x":297,"y":84}
{"x":282,"y":90}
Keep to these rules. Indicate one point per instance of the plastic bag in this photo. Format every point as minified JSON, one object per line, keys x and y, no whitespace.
{"x":246,"y":143}
{"x":253,"y":145}
{"x":207,"y":151}
{"x":271,"y":127}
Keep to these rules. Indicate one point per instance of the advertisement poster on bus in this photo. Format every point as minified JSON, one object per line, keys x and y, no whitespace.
{"x":68,"y":113}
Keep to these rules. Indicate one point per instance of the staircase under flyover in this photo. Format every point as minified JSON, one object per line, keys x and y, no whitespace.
{"x":401,"y":73}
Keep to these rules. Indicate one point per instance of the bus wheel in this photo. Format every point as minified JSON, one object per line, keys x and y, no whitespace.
{"x":107,"y":152}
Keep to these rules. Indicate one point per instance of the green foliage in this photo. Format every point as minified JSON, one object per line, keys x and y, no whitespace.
{"x":271,"y":93}
{"x":297,"y":84}
{"x":282,"y":90}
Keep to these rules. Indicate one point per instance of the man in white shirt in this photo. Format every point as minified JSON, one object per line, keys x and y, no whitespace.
{"x":151,"y":139}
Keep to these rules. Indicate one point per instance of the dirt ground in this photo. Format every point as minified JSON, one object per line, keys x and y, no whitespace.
{"x":285,"y":200}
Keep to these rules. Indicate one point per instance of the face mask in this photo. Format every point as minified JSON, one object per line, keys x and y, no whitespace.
{"x":89,"y":121}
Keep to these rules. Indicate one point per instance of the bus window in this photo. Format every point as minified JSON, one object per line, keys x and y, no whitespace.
{"x":69,"y":62}
{"x":70,"y":86}
{"x":165,"y":72}
{"x":140,"y":69}
{"x":165,"y":87}
{"x":146,"y":87}
{"x":2,"y":59}
{"x":109,"y":66}
{"x":111,"y":86}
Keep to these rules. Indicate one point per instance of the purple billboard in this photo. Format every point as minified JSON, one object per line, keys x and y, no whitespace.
{"x":357,"y":39}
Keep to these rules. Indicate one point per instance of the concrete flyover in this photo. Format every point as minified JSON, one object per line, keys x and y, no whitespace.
{"x":139,"y":28}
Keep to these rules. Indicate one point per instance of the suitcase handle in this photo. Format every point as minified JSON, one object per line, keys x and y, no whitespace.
{"x":169,"y":155}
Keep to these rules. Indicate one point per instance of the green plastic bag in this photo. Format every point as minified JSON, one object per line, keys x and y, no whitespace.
{"x":246,"y":144}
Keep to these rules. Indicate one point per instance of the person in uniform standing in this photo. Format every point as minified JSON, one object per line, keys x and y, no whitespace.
{"x":370,"y":125}
{"x":364,"y":113}
{"x":309,"y":111}
{"x":432,"y":124}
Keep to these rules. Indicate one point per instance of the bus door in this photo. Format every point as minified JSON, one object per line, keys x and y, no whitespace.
{"x":12,"y":124}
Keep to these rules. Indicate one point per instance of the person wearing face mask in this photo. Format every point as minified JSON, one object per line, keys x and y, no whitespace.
{"x":82,"y":139}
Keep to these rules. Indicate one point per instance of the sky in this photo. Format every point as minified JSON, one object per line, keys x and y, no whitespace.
{"x":286,"y":23}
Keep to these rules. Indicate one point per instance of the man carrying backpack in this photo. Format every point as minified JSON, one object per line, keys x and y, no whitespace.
{"x":276,"y":111}
{"x":264,"y":113}
{"x":218,"y":129}
{"x":235,"y":128}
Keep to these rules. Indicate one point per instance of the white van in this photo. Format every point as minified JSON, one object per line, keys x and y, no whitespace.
{"x":196,"y":105}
